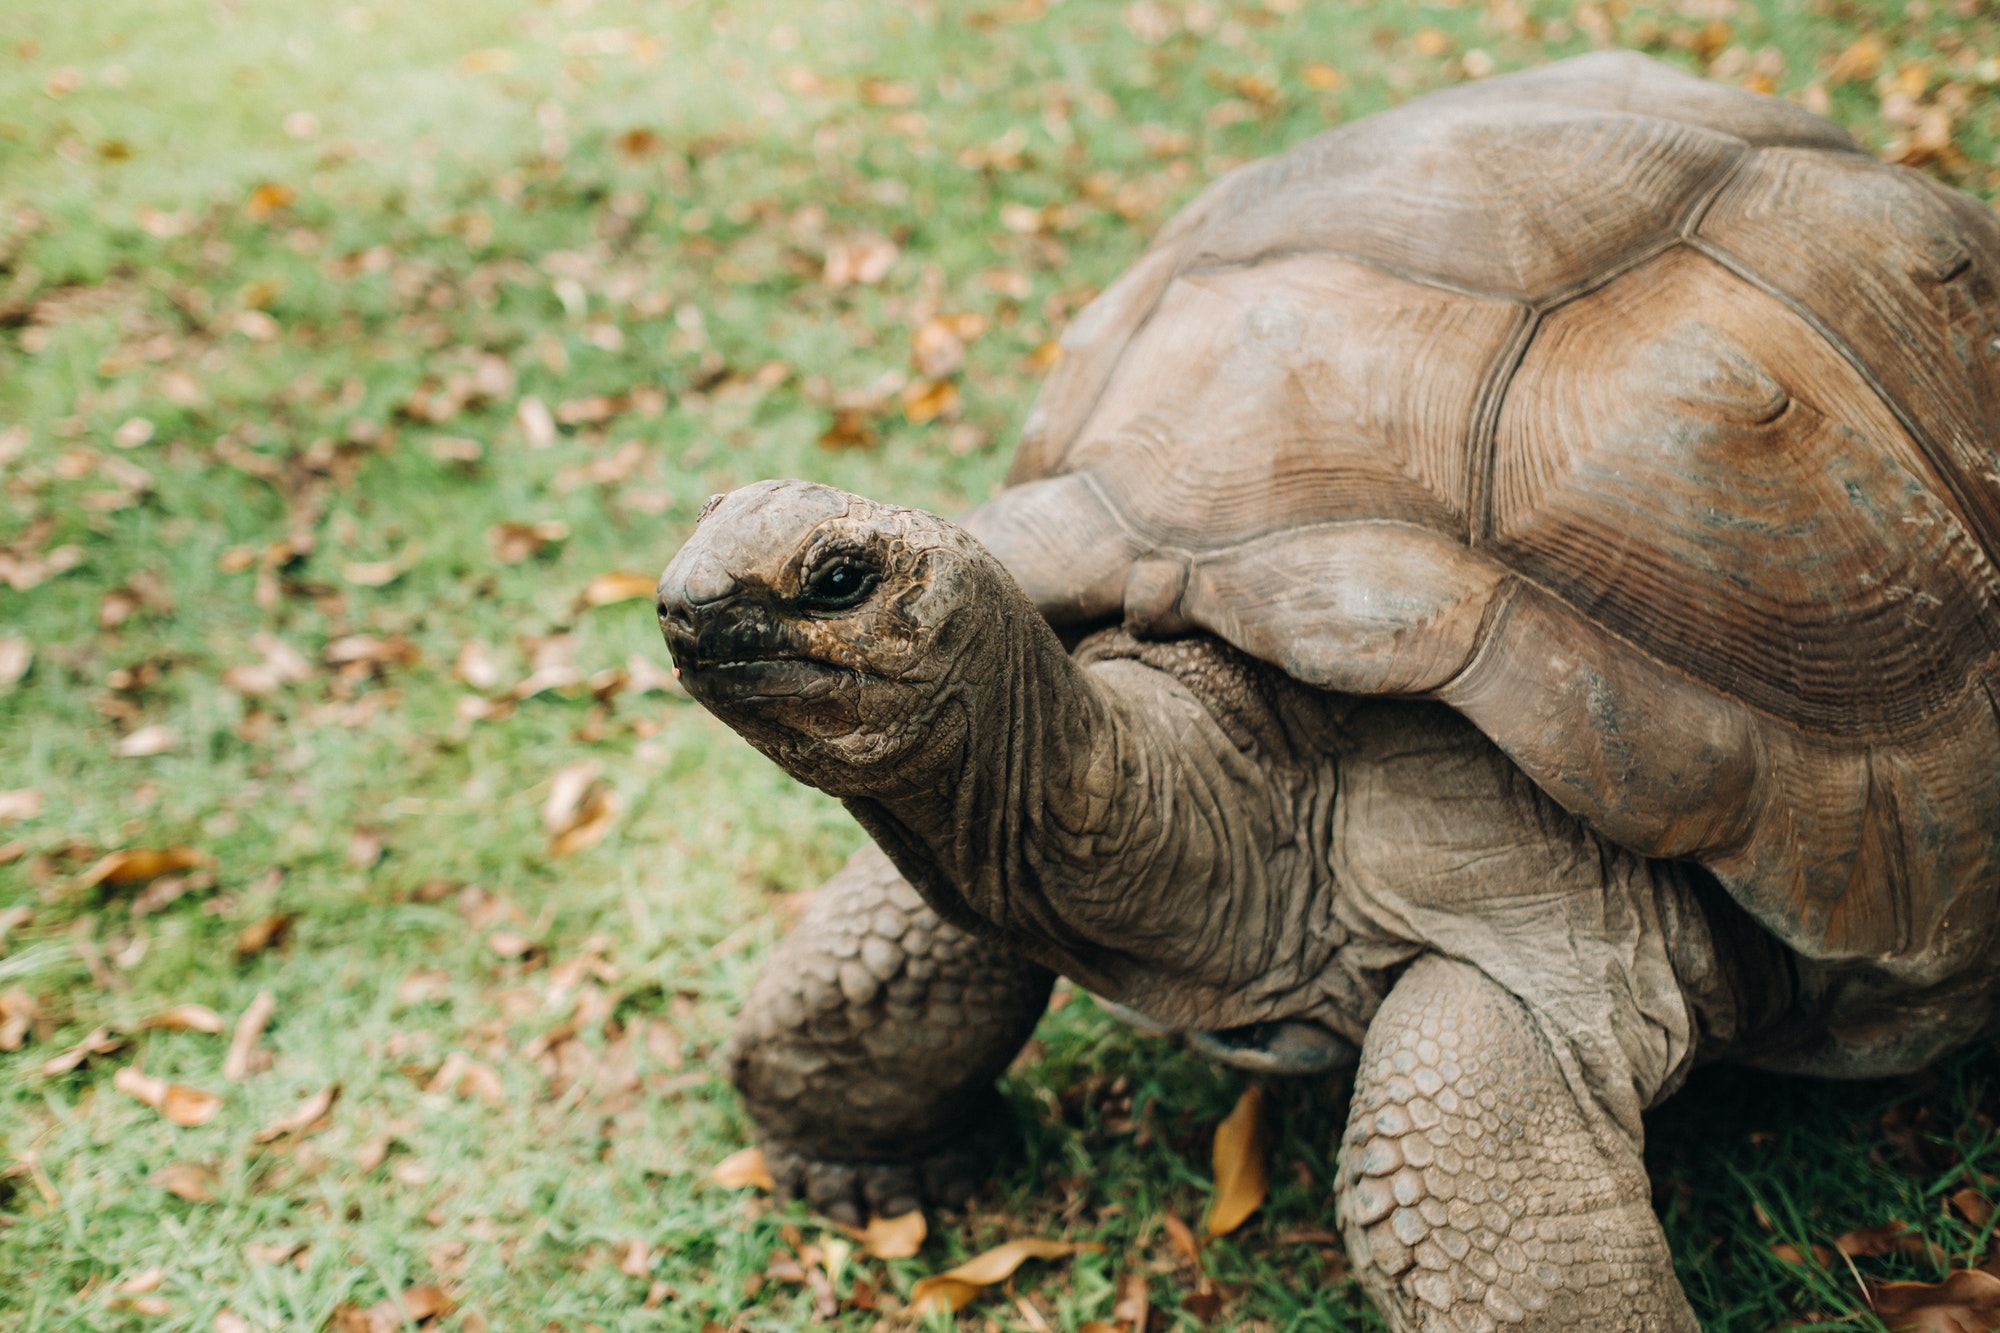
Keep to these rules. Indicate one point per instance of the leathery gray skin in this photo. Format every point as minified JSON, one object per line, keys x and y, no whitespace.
{"x":1196,"y":838}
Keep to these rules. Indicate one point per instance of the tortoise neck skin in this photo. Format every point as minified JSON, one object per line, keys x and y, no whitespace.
{"x":1020,"y":794}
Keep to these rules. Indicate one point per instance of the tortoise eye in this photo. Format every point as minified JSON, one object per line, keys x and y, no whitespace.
{"x":839,"y":583}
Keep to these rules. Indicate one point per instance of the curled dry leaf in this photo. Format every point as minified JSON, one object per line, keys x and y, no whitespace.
{"x":99,"y":1042}
{"x":1973,"y":1206}
{"x":138,"y":865}
{"x":249,"y":1030}
{"x":1181,"y":1237}
{"x":744,"y":1169}
{"x":16,"y":656}
{"x":512,"y":543}
{"x":18,"y":1011}
{"x":463,"y":1076}
{"x":895,"y":1237}
{"x":617,"y":586}
{"x":579,"y":809}
{"x":186,"y":1018}
{"x":392,"y":1314}
{"x":1966,"y":1302}
{"x":301,"y":1118}
{"x":956,"y":1288}
{"x":185,"y":1106}
{"x":1871,"y":1242}
{"x":147,"y":742}
{"x":267,"y":933}
{"x":1242,"y":1158}
{"x":192,"y":1181}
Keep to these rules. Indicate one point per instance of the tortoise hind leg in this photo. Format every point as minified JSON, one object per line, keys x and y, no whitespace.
{"x":1476,"y":1193}
{"x":870,"y":1044}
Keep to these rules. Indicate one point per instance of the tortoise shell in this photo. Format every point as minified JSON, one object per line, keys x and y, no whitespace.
{"x":1648,"y":422}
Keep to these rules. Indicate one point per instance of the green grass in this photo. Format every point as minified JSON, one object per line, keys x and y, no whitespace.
{"x":633,"y":199}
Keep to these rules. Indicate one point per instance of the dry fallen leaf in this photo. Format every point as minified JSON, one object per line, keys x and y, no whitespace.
{"x":851,"y":428}
{"x":185,"y":1106}
{"x":927,"y":400}
{"x":272,"y":1252}
{"x":1870,"y":1242}
{"x":637,"y":1260}
{"x":538,"y":425}
{"x":743,"y":1169}
{"x":249,"y":1030}
{"x":617,"y":586}
{"x":1181,"y":1237}
{"x":1242,"y":1160}
{"x":895,"y":1237}
{"x":21,"y":803}
{"x":956,"y":1288}
{"x":301,"y":1118}
{"x":141,"y":1283}
{"x":187,"y":1018}
{"x":1966,"y":1302}
{"x":864,"y":259}
{"x":18,"y":1011}
{"x":228,"y":1321}
{"x":1973,"y":1206}
{"x":579,"y":810}
{"x":137,"y":865}
{"x":188,"y":1180}
{"x":463,"y":1076}
{"x":267,"y":198}
{"x":266,"y":933}
{"x":393,"y":1314}
{"x":147,"y":742}
{"x":99,"y":1042}
{"x":511,"y":543}
{"x":16,"y":656}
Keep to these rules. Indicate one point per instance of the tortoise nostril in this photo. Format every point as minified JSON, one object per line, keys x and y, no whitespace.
{"x":706,"y":581}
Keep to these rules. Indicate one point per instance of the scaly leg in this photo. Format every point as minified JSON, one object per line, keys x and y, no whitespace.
{"x":870,"y":1044}
{"x":1476,"y":1192}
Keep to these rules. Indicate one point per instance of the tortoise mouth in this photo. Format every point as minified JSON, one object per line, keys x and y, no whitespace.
{"x":749,"y":680}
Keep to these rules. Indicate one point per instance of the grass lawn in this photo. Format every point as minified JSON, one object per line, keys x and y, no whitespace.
{"x":349,"y":352}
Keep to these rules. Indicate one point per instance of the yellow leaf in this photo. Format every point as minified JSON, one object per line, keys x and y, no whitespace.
{"x":927,"y":400}
{"x":267,"y":199}
{"x":744,"y":1169}
{"x":955,"y":1289}
{"x":1321,"y":77}
{"x":617,"y":586}
{"x":137,"y":865}
{"x":1242,"y":1164}
{"x":895,"y":1237}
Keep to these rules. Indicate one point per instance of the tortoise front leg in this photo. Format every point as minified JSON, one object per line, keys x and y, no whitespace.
{"x":870,"y":1044}
{"x":1476,"y":1192}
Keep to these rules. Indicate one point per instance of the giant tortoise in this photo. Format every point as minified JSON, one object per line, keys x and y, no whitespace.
{"x":1502,"y":594}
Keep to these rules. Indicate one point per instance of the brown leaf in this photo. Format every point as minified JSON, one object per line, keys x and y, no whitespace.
{"x":1182,"y":1238}
{"x":1870,"y":1242}
{"x":579,"y":810}
{"x":146,"y":742}
{"x":743,"y":1169}
{"x":927,"y":400}
{"x":21,"y":803}
{"x":16,"y":656}
{"x":1786,"y":1253}
{"x":268,"y":933}
{"x":1968,"y":1301}
{"x":185,"y":1106}
{"x":956,"y":1288}
{"x":142,"y":1283}
{"x":137,"y":865}
{"x":863,"y":260}
{"x":99,"y":1042}
{"x":186,"y":1018}
{"x":267,"y":198}
{"x":1135,"y":1300}
{"x":249,"y":1031}
{"x":301,"y":1118}
{"x":414,"y":1306}
{"x":1860,"y":60}
{"x":188,"y":1180}
{"x":936,"y":349}
{"x":1242,"y":1158}
{"x":637,"y":1259}
{"x":538,"y":424}
{"x":895,"y":1237}
{"x":617,"y":586}
{"x":1973,"y":1206}
{"x":512,"y":543}
{"x":851,"y":429}
{"x":463,"y":1076}
{"x":18,"y":1011}
{"x":272,"y":1252}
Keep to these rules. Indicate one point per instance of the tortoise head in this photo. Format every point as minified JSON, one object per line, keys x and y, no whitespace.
{"x":827,"y":629}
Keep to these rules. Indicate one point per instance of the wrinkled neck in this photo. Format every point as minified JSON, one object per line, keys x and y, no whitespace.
{"x":1013,"y":809}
